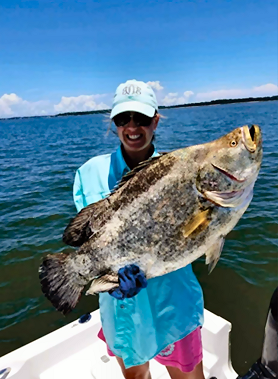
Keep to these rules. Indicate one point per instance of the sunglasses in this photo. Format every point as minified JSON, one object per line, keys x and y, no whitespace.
{"x":139,"y":119}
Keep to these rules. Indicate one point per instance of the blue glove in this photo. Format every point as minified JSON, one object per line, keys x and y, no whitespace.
{"x":131,"y":281}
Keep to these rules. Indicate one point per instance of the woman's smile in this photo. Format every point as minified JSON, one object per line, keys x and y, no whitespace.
{"x":134,"y":137}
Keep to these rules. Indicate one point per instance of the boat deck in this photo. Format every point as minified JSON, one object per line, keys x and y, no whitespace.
{"x":74,"y":351}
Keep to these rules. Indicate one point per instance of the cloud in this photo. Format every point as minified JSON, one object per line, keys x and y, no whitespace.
{"x":156,"y":85}
{"x":79,"y":104}
{"x":5,"y":103}
{"x":188,"y":94}
{"x":263,"y":90}
{"x":266,"y":89}
{"x":11,"y":105}
{"x":173,"y":98}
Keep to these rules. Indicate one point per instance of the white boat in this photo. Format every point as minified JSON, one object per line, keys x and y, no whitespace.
{"x":74,"y":351}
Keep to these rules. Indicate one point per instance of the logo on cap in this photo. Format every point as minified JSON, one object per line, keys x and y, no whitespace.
{"x":131,"y":90}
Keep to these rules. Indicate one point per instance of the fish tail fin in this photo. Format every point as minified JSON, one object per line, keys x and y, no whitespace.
{"x":58,"y":283}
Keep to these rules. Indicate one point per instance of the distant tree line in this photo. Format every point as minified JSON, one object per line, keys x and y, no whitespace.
{"x":222,"y":101}
{"x":213,"y":102}
{"x":82,"y":113}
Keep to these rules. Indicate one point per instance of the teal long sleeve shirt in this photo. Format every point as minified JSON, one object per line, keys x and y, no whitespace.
{"x":171,"y":306}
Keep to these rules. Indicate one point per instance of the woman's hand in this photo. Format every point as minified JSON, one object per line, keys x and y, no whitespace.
{"x":131,"y":281}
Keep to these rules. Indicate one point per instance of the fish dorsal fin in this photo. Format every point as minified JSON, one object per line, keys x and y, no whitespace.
{"x":92,"y":218}
{"x":82,"y":227}
{"x":135,"y":170}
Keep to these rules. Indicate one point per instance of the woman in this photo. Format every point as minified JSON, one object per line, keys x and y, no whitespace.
{"x":142,"y":320}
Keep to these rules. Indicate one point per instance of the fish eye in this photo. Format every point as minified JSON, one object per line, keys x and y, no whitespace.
{"x":233,"y":143}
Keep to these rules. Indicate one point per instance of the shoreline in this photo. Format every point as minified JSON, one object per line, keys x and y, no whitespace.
{"x":201,"y":104}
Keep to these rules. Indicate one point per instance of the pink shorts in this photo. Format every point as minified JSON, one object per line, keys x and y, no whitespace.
{"x":184,"y":354}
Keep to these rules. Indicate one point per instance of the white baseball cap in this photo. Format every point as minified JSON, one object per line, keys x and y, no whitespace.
{"x":134,"y":96}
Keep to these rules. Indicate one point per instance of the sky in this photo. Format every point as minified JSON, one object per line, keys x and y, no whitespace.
{"x":66,"y":56}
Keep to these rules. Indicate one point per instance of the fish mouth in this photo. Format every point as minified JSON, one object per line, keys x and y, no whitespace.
{"x":251,"y":137}
{"x":228,"y":174}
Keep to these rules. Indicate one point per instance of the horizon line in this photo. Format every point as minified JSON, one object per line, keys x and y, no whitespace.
{"x":186,"y":105}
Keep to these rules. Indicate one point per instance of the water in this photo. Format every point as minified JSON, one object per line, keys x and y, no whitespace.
{"x":38,"y":159}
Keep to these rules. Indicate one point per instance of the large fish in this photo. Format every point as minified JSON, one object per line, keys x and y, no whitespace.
{"x":164,"y":214}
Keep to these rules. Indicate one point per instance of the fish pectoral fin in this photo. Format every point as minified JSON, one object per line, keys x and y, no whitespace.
{"x":213,"y":254}
{"x":199,"y":221}
{"x":103,"y":284}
